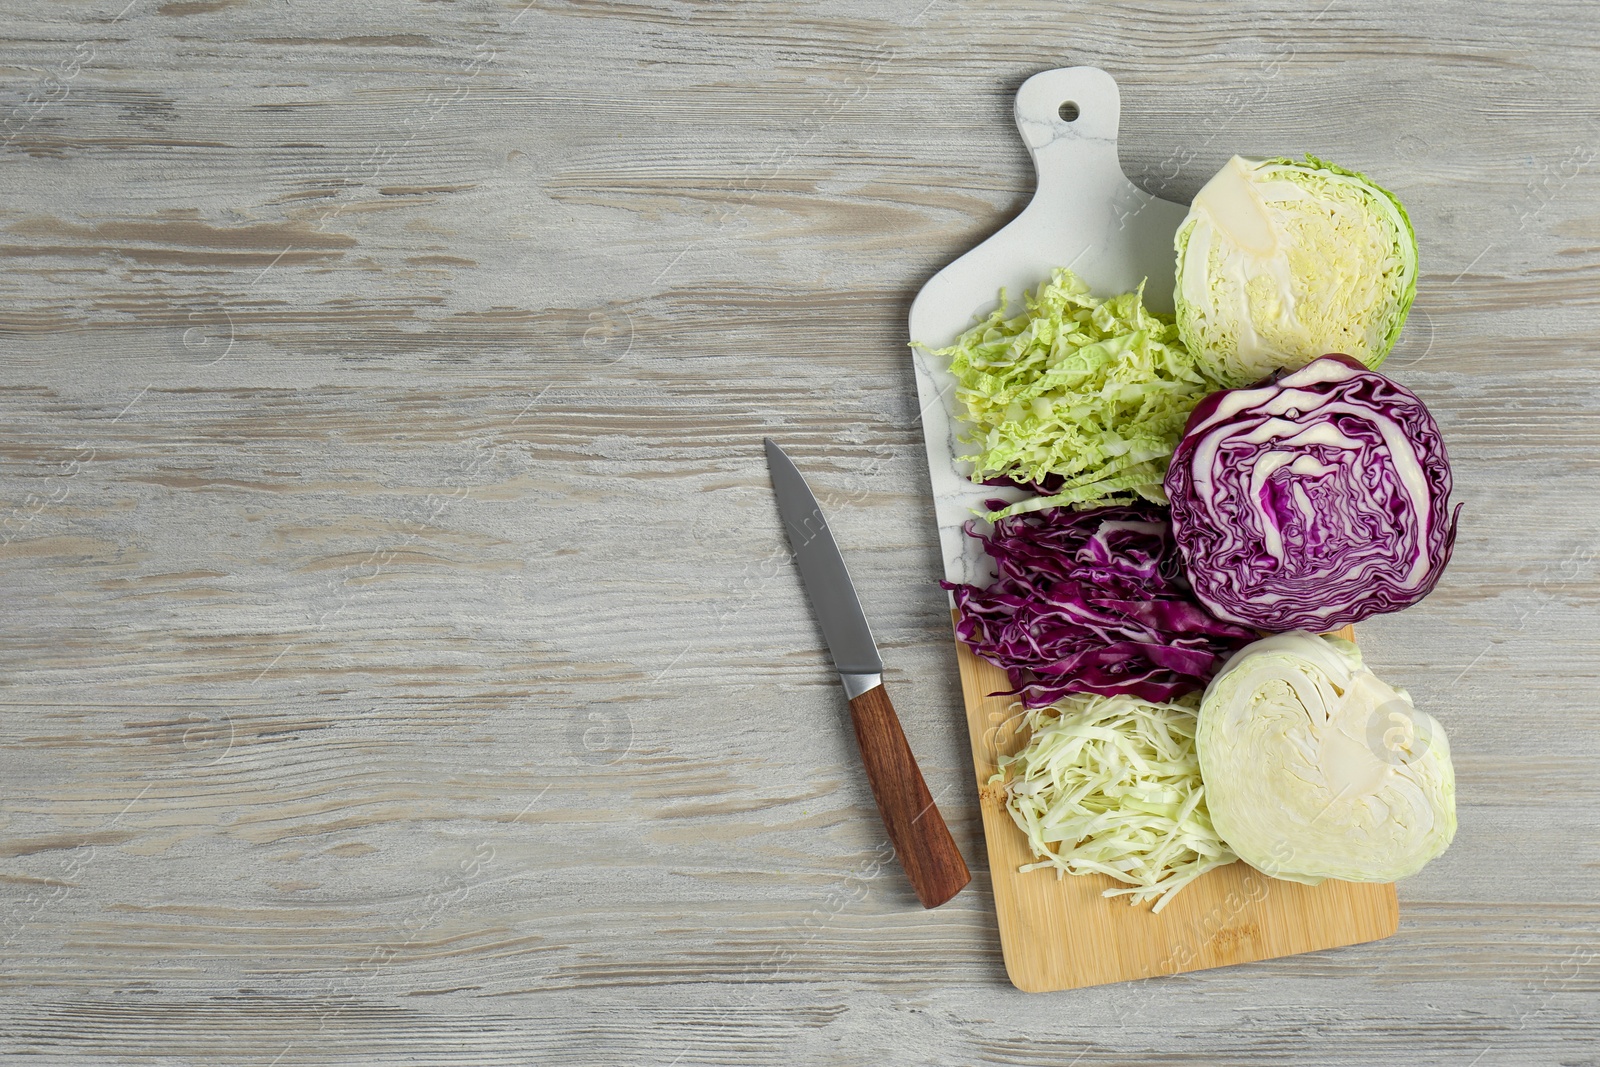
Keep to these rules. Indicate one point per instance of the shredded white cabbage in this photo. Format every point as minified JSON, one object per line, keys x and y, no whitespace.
{"x":1111,"y":785}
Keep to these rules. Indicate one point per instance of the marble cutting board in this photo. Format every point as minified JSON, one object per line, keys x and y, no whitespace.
{"x":1061,"y":933}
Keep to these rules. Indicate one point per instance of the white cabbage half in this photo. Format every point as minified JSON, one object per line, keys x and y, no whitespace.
{"x":1282,"y":262}
{"x":1314,"y":768}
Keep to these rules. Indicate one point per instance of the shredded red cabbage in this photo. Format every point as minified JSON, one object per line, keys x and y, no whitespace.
{"x":1312,"y":501}
{"x":1092,"y":602}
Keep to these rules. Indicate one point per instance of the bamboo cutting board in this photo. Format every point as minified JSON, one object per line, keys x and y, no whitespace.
{"x":1060,"y":933}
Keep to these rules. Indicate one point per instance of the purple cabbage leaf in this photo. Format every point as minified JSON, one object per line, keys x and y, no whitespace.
{"x":1313,"y":500}
{"x":1092,"y":602}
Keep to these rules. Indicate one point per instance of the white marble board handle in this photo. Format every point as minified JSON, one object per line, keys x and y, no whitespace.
{"x":1085,"y":214}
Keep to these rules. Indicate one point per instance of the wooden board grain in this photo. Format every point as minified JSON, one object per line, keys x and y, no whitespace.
{"x":1062,"y":933}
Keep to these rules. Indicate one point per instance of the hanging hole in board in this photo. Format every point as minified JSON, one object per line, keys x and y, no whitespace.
{"x":1069,"y":111}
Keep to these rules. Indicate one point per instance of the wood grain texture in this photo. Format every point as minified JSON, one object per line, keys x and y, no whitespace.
{"x":921,"y":839}
{"x":1062,"y":933}
{"x":400,"y":657}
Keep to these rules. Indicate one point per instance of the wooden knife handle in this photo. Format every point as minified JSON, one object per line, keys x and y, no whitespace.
{"x":921,"y":839}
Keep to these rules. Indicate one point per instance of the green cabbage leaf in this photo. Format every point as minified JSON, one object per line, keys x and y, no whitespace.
{"x":1281,"y":262}
{"x":1079,"y":398}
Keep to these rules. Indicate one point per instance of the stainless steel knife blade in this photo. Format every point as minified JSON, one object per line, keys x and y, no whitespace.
{"x":827,"y":581}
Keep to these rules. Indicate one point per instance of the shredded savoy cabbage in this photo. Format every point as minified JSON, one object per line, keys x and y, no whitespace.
{"x":1081,"y":399}
{"x":1111,"y":785}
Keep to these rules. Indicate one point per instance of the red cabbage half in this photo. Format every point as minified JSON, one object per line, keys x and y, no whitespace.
{"x":1312,"y":501}
{"x":1092,"y":602}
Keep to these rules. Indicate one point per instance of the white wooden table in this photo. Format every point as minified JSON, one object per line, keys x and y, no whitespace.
{"x":401,"y":658}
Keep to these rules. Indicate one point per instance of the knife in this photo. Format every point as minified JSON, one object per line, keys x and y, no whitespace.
{"x":922,"y":841}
